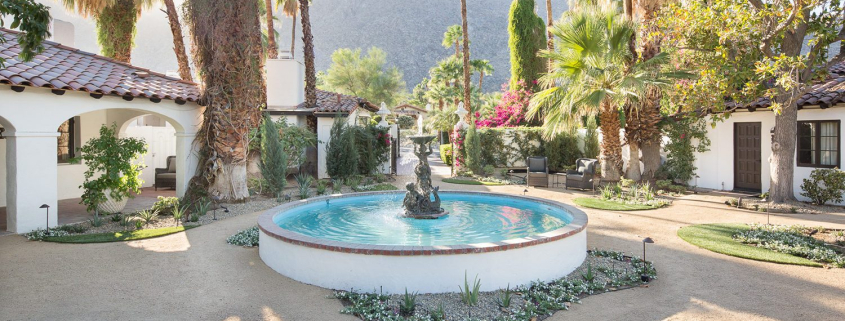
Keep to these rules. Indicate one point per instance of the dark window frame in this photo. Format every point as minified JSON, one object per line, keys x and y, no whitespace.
{"x":818,"y":141}
{"x":71,"y":141}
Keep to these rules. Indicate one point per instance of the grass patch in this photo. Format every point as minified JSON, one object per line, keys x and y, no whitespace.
{"x":469,"y":182}
{"x":719,"y":238}
{"x":601,"y":204}
{"x":118,"y":236}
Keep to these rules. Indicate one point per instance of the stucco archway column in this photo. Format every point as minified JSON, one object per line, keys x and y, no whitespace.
{"x":187,"y":158}
{"x":31,"y":180}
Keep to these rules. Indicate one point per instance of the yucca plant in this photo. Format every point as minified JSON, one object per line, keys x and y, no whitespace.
{"x":304,"y":184}
{"x":178,"y":212}
{"x":322,"y":186}
{"x":408,"y":304}
{"x":148,"y":215}
{"x":202,"y":206}
{"x":469,"y":296}
{"x":504,"y":299}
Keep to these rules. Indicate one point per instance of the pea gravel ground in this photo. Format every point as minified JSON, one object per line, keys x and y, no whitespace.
{"x":195,"y":275}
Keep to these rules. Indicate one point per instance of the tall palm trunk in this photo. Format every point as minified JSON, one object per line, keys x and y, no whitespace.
{"x":116,"y":29}
{"x":229,"y":55}
{"x":308,"y":48}
{"x":549,"y":24}
{"x":272,"y":48}
{"x":178,"y":42}
{"x":480,"y":79}
{"x":611,"y":149}
{"x":466,"y":57}
{"x":293,"y":35}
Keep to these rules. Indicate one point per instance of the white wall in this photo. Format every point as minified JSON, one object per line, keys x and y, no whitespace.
{"x":716,"y":167}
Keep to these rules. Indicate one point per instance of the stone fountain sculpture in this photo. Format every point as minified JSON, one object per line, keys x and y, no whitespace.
{"x":418,"y":201}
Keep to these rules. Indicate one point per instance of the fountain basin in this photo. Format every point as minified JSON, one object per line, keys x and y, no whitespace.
{"x":356,"y":241}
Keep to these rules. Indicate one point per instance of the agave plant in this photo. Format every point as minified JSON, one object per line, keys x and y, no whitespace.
{"x":304,"y":184}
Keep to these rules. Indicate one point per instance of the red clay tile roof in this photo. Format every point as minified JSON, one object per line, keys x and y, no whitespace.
{"x":329,"y":102}
{"x":62,"y":67}
{"x":824,"y":94}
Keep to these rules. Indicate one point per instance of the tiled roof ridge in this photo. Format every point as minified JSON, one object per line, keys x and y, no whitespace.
{"x":88,"y":53}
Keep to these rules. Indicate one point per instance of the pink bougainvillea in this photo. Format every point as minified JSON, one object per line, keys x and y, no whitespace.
{"x":511,"y":110}
{"x":457,"y":136}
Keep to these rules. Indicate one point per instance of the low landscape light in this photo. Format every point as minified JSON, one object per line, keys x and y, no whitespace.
{"x":524,"y":192}
{"x":645,"y":277}
{"x":47,"y":207}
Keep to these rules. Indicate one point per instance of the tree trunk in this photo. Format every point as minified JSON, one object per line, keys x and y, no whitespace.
{"x":229,"y":56}
{"x":178,"y":42}
{"x":116,"y":30}
{"x":650,"y":158}
{"x":633,"y":171}
{"x":466,"y":58}
{"x":480,"y":80}
{"x":293,"y":35}
{"x":272,"y":48}
{"x":550,"y":23}
{"x":782,"y":160}
{"x":308,"y":52}
{"x":611,"y":149}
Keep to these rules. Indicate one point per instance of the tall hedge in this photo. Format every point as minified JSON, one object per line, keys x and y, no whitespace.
{"x":274,"y":158}
{"x":527,"y":36}
{"x":341,"y":152}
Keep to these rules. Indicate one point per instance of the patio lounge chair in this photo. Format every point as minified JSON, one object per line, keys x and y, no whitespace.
{"x":582,"y":176}
{"x":538,"y":171}
{"x":166,"y":177}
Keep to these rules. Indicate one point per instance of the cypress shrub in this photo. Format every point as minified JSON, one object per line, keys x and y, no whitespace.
{"x":341,"y":153}
{"x":527,"y":36}
{"x":591,"y":139}
{"x":274,"y":158}
{"x":473,"y":150}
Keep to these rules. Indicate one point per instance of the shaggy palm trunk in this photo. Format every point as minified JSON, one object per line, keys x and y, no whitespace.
{"x":549,"y":25}
{"x":633,"y":171}
{"x":649,"y":135}
{"x":308,"y":48}
{"x":228,"y":52}
{"x":465,"y":48}
{"x":272,"y":48}
{"x":116,"y":29}
{"x":480,"y":80}
{"x":611,"y":149}
{"x":178,"y":42}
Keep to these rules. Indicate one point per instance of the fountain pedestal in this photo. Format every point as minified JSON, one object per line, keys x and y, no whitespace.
{"x":418,"y":201}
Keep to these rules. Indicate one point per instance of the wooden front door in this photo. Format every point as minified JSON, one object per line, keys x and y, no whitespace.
{"x":747,"y":156}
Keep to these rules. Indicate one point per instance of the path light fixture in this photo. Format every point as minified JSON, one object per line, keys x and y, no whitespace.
{"x":644,"y":277}
{"x":525,"y":191}
{"x":47,"y":207}
{"x":216,"y":199}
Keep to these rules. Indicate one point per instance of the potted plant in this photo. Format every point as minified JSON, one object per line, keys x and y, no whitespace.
{"x":112,"y":175}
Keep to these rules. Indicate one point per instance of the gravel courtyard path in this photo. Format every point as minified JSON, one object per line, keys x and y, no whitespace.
{"x":195,"y":275}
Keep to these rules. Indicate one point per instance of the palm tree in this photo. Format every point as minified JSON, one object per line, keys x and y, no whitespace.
{"x":591,"y":75}
{"x":466,"y":65}
{"x":272,"y":48}
{"x":483,"y":68}
{"x":549,"y":22}
{"x":178,"y":43}
{"x":452,"y":38}
{"x":308,"y":49}
{"x":289,"y":9}
{"x":228,"y":47}
{"x":115,"y":20}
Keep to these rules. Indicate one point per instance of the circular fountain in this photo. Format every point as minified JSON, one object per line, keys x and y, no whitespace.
{"x":395,"y":240}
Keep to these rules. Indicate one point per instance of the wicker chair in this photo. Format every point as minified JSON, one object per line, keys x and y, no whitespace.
{"x":538,"y":171}
{"x":166,"y":177}
{"x":583,"y":175}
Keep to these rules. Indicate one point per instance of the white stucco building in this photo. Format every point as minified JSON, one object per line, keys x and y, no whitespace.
{"x":738,"y":158}
{"x":53,"y":104}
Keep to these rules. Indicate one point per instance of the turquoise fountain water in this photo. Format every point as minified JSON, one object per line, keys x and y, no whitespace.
{"x":379,"y":220}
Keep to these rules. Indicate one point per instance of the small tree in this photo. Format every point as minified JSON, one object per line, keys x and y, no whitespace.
{"x":112,"y":158}
{"x":341,"y":155}
{"x":472,"y":144}
{"x":274,"y":158}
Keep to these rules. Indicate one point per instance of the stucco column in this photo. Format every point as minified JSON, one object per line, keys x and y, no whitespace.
{"x":186,"y":161}
{"x":31,"y":180}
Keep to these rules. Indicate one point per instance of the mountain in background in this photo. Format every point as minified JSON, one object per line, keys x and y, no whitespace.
{"x":410,"y":32}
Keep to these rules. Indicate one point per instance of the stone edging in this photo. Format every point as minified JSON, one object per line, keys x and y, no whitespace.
{"x":267,"y":226}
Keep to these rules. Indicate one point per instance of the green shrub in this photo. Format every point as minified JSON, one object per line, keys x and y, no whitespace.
{"x":74,"y":228}
{"x":488,"y":170}
{"x":322,"y":186}
{"x":165,"y":205}
{"x":247,"y":237}
{"x":473,"y":151}
{"x":110,"y":158}
{"x":274,"y":159}
{"x":824,"y":185}
{"x":341,"y":154}
{"x":406,"y":121}
{"x":591,"y":139}
{"x":562,"y":151}
{"x":687,"y":137}
{"x":446,"y":154}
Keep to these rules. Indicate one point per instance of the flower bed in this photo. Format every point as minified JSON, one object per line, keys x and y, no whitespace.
{"x":794,"y":240}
